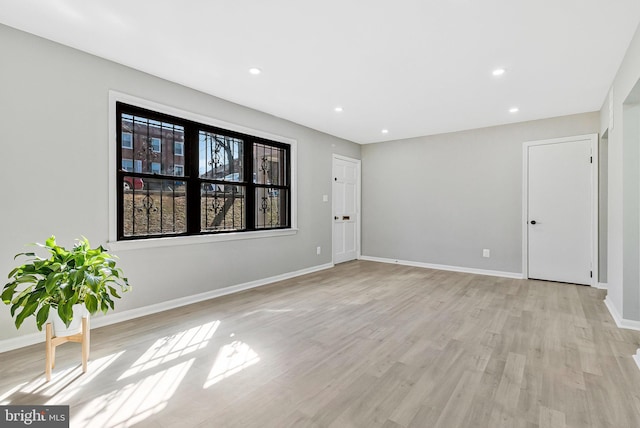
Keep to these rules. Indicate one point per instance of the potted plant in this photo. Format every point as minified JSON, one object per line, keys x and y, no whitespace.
{"x":82,"y":279}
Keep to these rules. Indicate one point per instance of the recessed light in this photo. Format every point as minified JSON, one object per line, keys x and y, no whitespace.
{"x":338,"y":109}
{"x":385,"y":131}
{"x":514,"y":110}
{"x":498,"y":71}
{"x":255,"y":71}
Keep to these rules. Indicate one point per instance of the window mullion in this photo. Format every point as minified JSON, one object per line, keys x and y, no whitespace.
{"x":250,"y":197}
{"x":191,"y":151}
{"x":119,"y":172}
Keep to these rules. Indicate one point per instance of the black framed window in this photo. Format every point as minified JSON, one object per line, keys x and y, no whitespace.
{"x":180,"y":177}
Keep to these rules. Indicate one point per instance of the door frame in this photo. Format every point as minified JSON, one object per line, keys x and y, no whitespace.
{"x":593,"y":139}
{"x":358,"y":163}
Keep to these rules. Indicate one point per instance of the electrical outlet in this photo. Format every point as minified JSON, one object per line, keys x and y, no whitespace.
{"x":486,"y":253}
{"x":318,"y":250}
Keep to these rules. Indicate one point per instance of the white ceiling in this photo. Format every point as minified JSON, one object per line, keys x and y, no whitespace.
{"x":412,"y":67}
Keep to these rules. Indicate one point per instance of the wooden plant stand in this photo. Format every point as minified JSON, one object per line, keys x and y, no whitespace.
{"x":53,"y":341}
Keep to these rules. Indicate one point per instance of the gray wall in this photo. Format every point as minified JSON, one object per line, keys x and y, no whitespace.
{"x":622,"y":278}
{"x":603,"y":196}
{"x":442,"y":199}
{"x":55,"y":179}
{"x":631,"y":208}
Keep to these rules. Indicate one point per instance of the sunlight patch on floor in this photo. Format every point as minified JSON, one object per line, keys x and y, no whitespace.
{"x":171,"y":347}
{"x":232,"y":358}
{"x":65,"y":382}
{"x":134,"y":402}
{"x":6,"y":397}
{"x":62,"y":392}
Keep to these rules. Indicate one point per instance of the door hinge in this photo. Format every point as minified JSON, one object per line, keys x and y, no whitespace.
{"x":591,"y":159}
{"x":590,"y":274}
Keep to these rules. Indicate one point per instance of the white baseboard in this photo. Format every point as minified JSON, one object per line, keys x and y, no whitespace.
{"x":623,"y":323}
{"x":620,"y":322}
{"x":21,"y":341}
{"x":636,"y":358}
{"x":513,"y":275}
{"x":601,"y":285}
{"x":116,"y":317}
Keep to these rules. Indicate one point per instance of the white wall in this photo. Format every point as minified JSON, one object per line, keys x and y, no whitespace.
{"x":442,"y":199}
{"x":623,"y":296}
{"x":54,"y":110}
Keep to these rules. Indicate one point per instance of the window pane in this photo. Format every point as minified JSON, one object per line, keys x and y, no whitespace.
{"x":269,"y":165}
{"x":271,"y":207}
{"x":178,"y":148}
{"x":222,"y":207}
{"x":153,"y":207}
{"x":153,"y":144}
{"x":220,"y":157}
{"x":127,"y":164}
{"x":127,"y":140}
{"x":156,"y":145}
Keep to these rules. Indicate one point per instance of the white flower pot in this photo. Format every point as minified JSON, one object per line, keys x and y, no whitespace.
{"x":60,"y":329}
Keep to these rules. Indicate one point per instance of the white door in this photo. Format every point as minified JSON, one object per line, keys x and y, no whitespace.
{"x":346,"y":209}
{"x":560,"y":201}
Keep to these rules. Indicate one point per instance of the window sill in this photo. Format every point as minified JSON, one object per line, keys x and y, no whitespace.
{"x":175,"y":241}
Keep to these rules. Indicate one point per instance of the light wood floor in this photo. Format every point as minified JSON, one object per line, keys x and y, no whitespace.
{"x":360,"y":345}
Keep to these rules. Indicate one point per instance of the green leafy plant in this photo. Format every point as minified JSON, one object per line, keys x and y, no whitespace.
{"x":83,"y":275}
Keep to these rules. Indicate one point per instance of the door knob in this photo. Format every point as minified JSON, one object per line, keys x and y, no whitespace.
{"x":533,"y":222}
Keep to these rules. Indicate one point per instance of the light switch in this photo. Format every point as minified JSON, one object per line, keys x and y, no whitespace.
{"x":325,"y":198}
